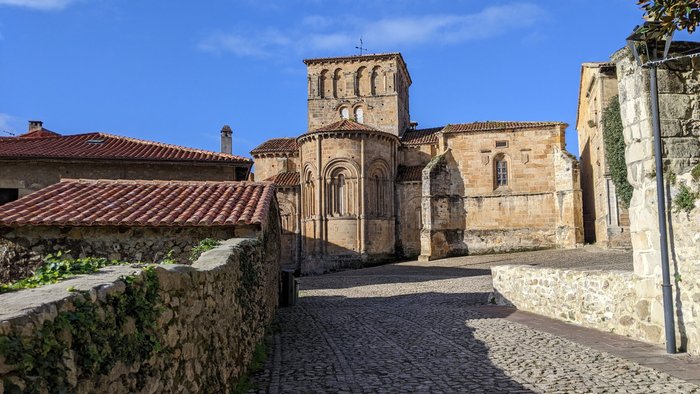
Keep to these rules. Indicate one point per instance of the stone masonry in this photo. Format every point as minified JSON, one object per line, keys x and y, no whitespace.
{"x":212,"y":315}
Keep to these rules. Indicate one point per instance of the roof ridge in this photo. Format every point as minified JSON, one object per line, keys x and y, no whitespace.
{"x":165,"y":145}
{"x":159,"y":181}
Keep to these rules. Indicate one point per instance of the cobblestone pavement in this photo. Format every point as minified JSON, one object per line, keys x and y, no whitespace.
{"x":417,"y":327}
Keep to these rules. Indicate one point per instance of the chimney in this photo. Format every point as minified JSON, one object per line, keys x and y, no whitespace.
{"x":35,"y":125}
{"x":226,"y":142}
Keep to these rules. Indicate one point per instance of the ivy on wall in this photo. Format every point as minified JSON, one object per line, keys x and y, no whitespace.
{"x":615,"y":151}
{"x":95,"y":336}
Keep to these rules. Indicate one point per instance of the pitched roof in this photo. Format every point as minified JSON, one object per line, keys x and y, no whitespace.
{"x":345,"y":125}
{"x":496,"y":126}
{"x":82,"y":202}
{"x":276,"y":145}
{"x":420,"y":137}
{"x":284,"y":179}
{"x":103,"y":146}
{"x":409,"y":173}
{"x":39,"y":133}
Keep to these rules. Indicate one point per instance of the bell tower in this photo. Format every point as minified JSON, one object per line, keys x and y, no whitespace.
{"x":370,"y":89}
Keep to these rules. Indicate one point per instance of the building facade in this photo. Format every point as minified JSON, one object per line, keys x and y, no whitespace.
{"x":365,"y":185}
{"x":605,"y":218}
{"x":41,"y":157}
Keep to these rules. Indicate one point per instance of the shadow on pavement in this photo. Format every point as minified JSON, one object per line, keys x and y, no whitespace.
{"x":408,"y":343}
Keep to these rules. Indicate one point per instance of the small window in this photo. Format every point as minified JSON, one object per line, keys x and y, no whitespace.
{"x":344,"y":113}
{"x":8,"y":195}
{"x":501,"y":144}
{"x":359,"y":115}
{"x":501,"y":173}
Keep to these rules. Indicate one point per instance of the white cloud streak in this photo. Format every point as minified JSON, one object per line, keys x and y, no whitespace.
{"x":320,"y":33}
{"x":6,"y":124}
{"x":43,"y":5}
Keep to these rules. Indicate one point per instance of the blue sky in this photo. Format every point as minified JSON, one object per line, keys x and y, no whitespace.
{"x":176,"y":71}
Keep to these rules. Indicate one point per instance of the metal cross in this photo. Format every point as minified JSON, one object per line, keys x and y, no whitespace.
{"x":361,"y":48}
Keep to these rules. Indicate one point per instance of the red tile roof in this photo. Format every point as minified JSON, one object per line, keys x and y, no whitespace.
{"x":284,"y":179}
{"x":345,"y":125}
{"x":102,"y":202}
{"x":102,"y":146}
{"x":409,"y":173}
{"x":276,"y":145}
{"x":40,"y":133}
{"x":420,"y":137}
{"x":496,"y":126}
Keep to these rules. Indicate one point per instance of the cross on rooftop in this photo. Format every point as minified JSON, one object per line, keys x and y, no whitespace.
{"x":361,"y":47}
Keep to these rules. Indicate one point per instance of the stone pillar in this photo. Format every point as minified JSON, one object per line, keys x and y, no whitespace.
{"x":679,"y":104}
{"x":567,"y":185}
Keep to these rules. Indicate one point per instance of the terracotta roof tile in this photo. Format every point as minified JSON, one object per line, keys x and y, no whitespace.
{"x":409,"y":174}
{"x":284,"y":179}
{"x":496,"y":126}
{"x":141,"y":203}
{"x":103,"y":146}
{"x":40,"y":133}
{"x":276,"y":145}
{"x":345,"y":125}
{"x":420,"y":137}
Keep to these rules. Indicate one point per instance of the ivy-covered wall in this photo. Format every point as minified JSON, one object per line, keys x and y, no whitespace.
{"x":167,"y":328}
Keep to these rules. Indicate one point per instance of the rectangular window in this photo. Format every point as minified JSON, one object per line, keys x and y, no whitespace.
{"x":7,"y":195}
{"x":501,"y":144}
{"x":501,"y":173}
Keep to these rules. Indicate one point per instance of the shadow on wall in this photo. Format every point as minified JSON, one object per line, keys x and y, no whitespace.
{"x":415,"y":343}
{"x":680,"y":319}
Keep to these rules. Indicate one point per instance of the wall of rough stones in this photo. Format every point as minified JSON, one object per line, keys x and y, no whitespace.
{"x":599,"y":299}
{"x":133,"y":244}
{"x":679,"y":107}
{"x":208,"y":319}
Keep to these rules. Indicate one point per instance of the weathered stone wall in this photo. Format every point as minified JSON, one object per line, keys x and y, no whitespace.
{"x":288,"y":199}
{"x":679,"y":104}
{"x":135,"y":244}
{"x":606,"y":221}
{"x":269,"y":165}
{"x":30,"y":175}
{"x":605,"y":300}
{"x":16,"y":262}
{"x":208,"y":319}
{"x":464,"y":211}
{"x":408,"y":218}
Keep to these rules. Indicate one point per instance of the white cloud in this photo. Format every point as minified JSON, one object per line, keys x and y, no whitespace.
{"x":318,"y":33}
{"x":44,"y":5}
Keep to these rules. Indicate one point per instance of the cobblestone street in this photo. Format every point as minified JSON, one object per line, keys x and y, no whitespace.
{"x":422,"y":327}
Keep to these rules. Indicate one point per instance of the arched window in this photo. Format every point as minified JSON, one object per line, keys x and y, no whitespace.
{"x":345,"y":113}
{"x":341,"y":203}
{"x":340,"y":192}
{"x":378,"y":190}
{"x":376,"y":82}
{"x":309,"y":195}
{"x":359,"y":115}
{"x":337,"y":86}
{"x":361,"y":82}
{"x":500,"y":171}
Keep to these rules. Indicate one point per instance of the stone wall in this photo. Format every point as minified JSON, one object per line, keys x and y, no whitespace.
{"x":605,"y":300}
{"x":30,"y":175}
{"x":172,"y":328}
{"x":679,"y":104}
{"x":134,"y":244}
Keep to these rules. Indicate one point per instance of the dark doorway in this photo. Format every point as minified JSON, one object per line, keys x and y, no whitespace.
{"x":7,"y":195}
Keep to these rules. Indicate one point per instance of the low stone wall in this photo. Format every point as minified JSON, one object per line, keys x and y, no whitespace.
{"x":605,"y":300}
{"x":137,"y":244}
{"x":171,"y":328}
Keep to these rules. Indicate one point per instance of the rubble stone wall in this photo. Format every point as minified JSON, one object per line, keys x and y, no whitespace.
{"x":172,"y":328}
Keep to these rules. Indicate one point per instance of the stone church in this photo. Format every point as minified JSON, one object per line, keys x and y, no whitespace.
{"x":364,"y":184}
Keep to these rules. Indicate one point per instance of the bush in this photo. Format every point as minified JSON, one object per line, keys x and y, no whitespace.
{"x":615,"y":151}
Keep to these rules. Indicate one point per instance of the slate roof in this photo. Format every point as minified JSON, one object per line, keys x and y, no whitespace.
{"x":496,"y":126}
{"x":284,"y":179}
{"x":420,"y":136}
{"x":345,"y":125}
{"x":103,"y":146}
{"x":409,"y":173}
{"x":276,"y":145}
{"x":82,"y":202}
